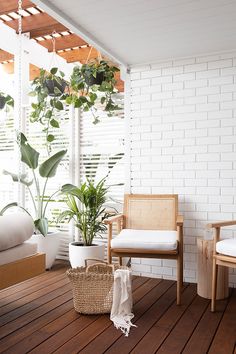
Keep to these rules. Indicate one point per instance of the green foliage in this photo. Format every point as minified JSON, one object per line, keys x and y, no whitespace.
{"x":28,"y":154}
{"x":85,"y":205}
{"x":6,"y":100}
{"x":48,"y":89}
{"x":15,"y":178}
{"x":85,"y":88}
{"x":82,"y":92}
{"x":46,"y":170}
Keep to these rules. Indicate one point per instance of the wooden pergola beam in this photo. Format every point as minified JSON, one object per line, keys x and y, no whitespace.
{"x":63,"y":42}
{"x":38,"y":22}
{"x":8,"y":67}
{"x":5,"y":56}
{"x":38,"y":55}
{"x":82,"y":55}
{"x":7,"y":6}
{"x":119,"y":83}
{"x":40,"y":32}
{"x":34,"y":70}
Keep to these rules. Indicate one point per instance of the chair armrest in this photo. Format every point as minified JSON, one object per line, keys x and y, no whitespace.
{"x":219,"y":224}
{"x":180,"y":220}
{"x":113,"y":219}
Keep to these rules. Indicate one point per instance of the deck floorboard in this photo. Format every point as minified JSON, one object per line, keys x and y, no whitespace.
{"x":37,"y":316}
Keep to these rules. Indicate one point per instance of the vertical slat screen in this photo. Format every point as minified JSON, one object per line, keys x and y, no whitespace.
{"x":7,"y":157}
{"x":102,"y":153}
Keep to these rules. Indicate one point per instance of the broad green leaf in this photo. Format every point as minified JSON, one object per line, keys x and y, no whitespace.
{"x":50,"y":138}
{"x":42,"y":226}
{"x":8,"y":206}
{"x":49,"y":167}
{"x":83,"y":99}
{"x":34,"y":105}
{"x":15,"y":178}
{"x":11,"y":205}
{"x":58,"y":105}
{"x":93,"y":97}
{"x":48,"y":114}
{"x":54,"y":123}
{"x":32,"y":93}
{"x":70,"y":189}
{"x":28,"y":154}
{"x":53,"y":71}
{"x":57,"y":91}
{"x":69,"y":100}
{"x":78,"y":103}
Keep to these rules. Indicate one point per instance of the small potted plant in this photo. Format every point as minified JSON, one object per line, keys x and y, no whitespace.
{"x":5,"y":100}
{"x":91,"y":83}
{"x":85,"y":205}
{"x":47,"y":243}
{"x":49,"y":90}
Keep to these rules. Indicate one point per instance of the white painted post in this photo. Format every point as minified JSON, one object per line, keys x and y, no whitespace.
{"x":21,"y":101}
{"x":126,"y":77}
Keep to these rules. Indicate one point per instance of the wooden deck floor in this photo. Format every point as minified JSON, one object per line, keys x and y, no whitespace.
{"x":37,"y":316}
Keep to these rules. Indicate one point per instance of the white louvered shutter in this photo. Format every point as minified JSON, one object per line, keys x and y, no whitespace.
{"x":7,"y":158}
{"x":102,"y":153}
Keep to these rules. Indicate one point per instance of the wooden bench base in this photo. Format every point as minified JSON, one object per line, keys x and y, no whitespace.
{"x":23,"y":269}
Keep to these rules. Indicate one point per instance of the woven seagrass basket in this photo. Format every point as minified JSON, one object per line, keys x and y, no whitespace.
{"x":92,"y":287}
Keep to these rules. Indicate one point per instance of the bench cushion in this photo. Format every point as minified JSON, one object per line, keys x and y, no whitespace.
{"x":15,"y":229}
{"x":227,"y":247}
{"x":16,"y":253}
{"x":146,"y":239}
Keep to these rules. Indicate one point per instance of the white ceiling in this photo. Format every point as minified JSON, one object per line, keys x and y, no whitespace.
{"x":144,"y":31}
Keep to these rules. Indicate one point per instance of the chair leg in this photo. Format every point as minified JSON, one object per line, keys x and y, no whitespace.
{"x":120,"y":261}
{"x":109,"y":256}
{"x":179,"y":278}
{"x":214,"y":285}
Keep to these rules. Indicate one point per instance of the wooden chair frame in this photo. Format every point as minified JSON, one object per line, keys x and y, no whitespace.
{"x":218,"y":258}
{"x":122,"y":221}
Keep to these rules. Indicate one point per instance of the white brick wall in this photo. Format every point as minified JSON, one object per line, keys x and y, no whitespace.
{"x":183,"y":140}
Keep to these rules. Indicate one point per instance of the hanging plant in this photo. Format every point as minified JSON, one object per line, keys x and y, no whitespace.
{"x":92,"y":83}
{"x":6,"y":100}
{"x":49,"y":89}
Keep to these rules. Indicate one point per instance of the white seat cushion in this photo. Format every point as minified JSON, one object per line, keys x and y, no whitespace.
{"x":227,"y":247}
{"x":147,"y":239}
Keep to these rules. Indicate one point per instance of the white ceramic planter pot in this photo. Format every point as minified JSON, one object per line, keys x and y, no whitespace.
{"x":48,"y":245}
{"x":78,"y":253}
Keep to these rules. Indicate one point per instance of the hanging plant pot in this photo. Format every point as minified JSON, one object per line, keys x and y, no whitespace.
{"x":2,"y":102}
{"x":91,"y":80}
{"x":54,"y":87}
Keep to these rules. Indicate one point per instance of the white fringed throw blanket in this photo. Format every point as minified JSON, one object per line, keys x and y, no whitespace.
{"x":121,"y":314}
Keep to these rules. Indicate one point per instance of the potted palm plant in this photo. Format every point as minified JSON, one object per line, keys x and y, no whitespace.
{"x":47,"y":243}
{"x":85,"y":205}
